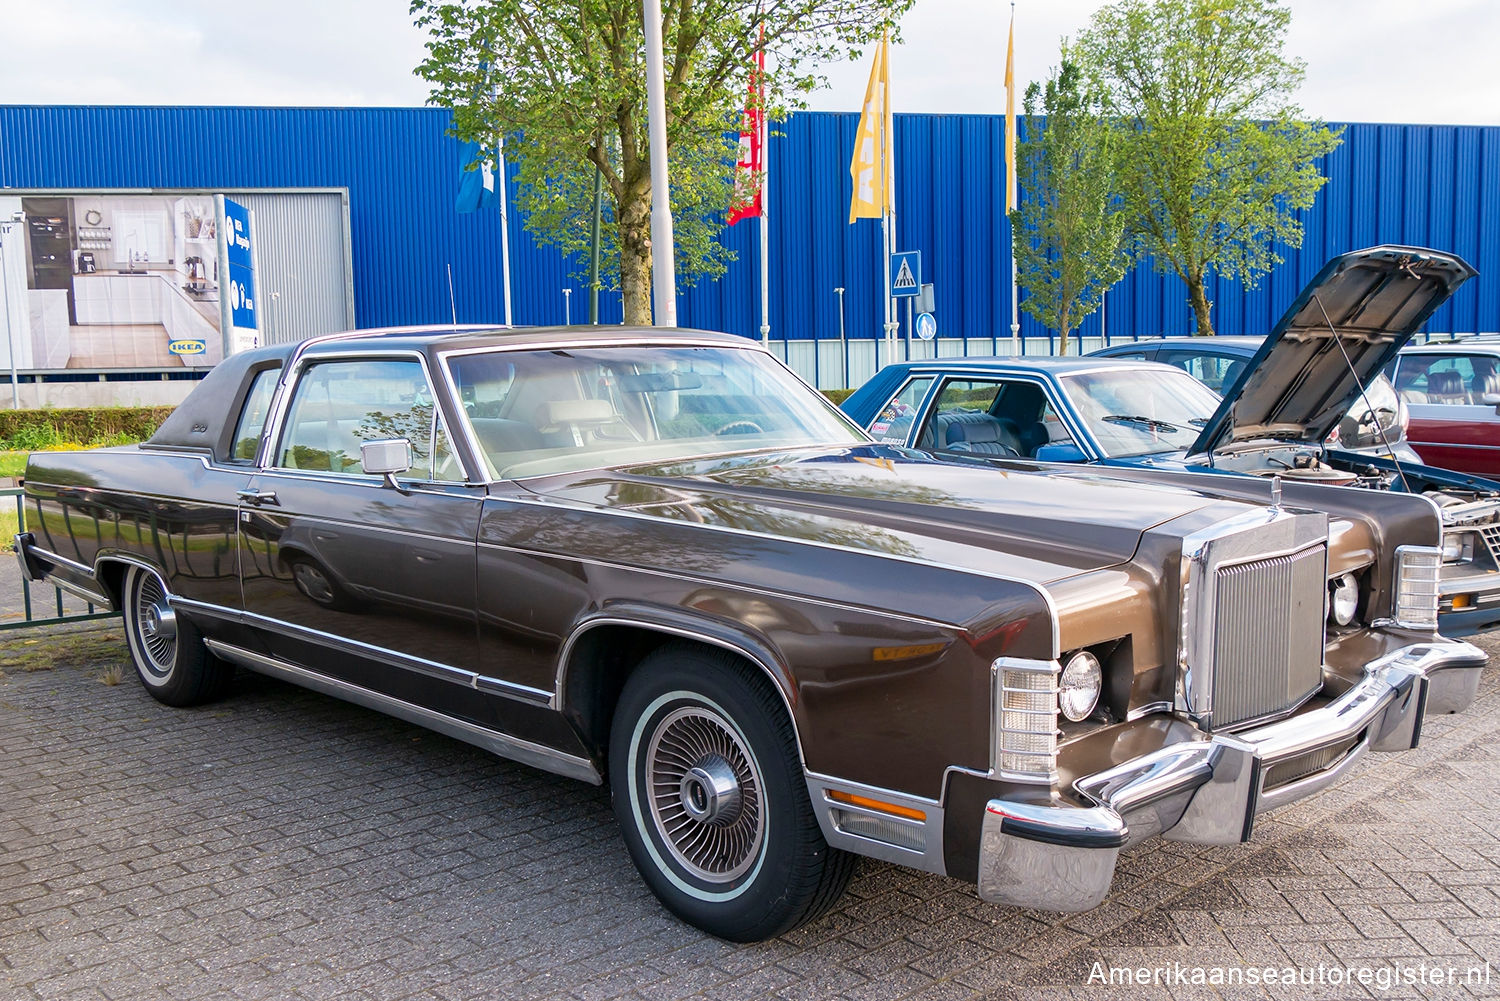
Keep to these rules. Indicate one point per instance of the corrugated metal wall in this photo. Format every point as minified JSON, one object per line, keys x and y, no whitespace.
{"x":1433,"y":185}
{"x":300,"y":253}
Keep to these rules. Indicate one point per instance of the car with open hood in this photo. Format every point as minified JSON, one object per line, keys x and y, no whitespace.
{"x":1315,"y":378}
{"x":658,"y":560}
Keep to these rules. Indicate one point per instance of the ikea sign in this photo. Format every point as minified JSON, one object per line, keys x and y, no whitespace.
{"x":187,"y":346}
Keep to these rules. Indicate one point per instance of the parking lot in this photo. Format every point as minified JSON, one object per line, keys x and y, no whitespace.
{"x":280,"y":844}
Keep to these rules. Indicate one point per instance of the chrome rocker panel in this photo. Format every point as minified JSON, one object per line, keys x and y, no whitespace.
{"x":1042,"y":854}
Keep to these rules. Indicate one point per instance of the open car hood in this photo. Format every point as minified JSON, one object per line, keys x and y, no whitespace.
{"x":1299,"y":383}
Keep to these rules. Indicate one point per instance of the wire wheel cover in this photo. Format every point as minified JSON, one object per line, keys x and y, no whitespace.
{"x":154,"y":626}
{"x":705,"y":792}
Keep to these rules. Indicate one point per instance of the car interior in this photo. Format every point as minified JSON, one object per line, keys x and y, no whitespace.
{"x":1452,"y":380}
{"x":990,"y":418}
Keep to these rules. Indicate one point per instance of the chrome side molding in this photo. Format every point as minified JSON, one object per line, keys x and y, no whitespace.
{"x":502,"y":745}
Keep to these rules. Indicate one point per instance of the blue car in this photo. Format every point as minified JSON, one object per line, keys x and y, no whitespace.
{"x":1274,"y":420}
{"x":1375,"y":425}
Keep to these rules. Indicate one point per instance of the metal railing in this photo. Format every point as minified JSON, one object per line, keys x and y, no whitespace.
{"x":31,"y":607}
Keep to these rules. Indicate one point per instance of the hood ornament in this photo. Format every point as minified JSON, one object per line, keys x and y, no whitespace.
{"x":1275,"y":494}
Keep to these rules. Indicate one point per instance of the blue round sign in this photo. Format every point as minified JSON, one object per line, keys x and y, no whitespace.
{"x":926,"y":326}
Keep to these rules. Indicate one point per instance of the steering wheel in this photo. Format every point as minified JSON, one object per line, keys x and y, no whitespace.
{"x":741,"y":427}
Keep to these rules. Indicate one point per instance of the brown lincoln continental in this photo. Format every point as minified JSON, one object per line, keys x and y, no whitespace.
{"x":656,"y":559}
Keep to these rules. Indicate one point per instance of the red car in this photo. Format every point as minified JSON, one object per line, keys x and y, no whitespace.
{"x":1453,"y":393}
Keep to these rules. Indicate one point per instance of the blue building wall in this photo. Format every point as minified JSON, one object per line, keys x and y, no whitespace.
{"x":1431,"y":185}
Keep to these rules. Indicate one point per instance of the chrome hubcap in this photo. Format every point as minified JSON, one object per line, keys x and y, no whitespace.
{"x":705,"y":790}
{"x":156,"y":626}
{"x":710,"y":792}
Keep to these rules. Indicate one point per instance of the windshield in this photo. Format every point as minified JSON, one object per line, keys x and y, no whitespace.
{"x":556,"y":411}
{"x":1139,"y":411}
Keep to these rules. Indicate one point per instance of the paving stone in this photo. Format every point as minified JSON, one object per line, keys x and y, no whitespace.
{"x":284,"y":845}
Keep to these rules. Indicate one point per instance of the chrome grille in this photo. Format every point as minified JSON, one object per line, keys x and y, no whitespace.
{"x":1300,"y":767}
{"x":1268,"y":635}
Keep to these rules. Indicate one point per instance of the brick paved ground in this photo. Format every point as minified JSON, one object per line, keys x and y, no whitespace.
{"x":283,"y":845}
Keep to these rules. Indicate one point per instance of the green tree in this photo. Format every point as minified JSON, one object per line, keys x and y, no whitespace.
{"x":1068,"y":231}
{"x":565,"y":82}
{"x":1219,"y":159}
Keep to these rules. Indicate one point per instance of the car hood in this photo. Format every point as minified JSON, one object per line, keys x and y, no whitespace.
{"x":897,"y":502}
{"x":1299,"y":384}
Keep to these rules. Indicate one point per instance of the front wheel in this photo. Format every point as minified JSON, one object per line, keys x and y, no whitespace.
{"x":168,"y":652}
{"x":711,"y":799}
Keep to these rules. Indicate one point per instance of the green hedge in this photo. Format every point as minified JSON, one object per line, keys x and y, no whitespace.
{"x":837,"y":396}
{"x":24,"y":430}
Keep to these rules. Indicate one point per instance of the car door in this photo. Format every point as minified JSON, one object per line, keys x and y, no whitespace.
{"x":344,"y":574}
{"x":1451,"y":425}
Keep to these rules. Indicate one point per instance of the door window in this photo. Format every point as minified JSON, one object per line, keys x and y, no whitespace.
{"x":340,"y":405}
{"x":893,"y":423}
{"x":992,"y":417}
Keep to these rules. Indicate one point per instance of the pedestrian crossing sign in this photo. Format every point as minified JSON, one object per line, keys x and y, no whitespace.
{"x":906,"y":273}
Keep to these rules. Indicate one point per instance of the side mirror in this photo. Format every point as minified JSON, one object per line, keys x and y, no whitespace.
{"x":386,"y":458}
{"x":1061,"y":451}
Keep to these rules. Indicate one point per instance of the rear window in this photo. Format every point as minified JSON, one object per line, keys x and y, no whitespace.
{"x":252,"y":422}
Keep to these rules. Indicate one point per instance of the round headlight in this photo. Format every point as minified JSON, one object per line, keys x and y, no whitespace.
{"x":1078,"y":689}
{"x":1344,"y":601}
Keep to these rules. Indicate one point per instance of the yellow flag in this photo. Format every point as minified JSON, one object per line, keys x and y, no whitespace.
{"x":1010,"y":115}
{"x":873,"y":167}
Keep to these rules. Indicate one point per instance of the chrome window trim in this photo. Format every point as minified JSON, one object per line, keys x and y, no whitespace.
{"x":496,"y":742}
{"x":292,"y":374}
{"x":418,"y":665}
{"x":1039,"y":588}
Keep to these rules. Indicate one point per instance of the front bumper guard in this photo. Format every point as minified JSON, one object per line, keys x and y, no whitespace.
{"x":1044,"y":853}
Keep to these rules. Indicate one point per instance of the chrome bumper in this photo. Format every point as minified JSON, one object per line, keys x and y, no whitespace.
{"x":1047,"y":854}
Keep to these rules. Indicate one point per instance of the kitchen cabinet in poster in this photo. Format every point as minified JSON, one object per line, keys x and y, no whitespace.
{"x":112,"y":281}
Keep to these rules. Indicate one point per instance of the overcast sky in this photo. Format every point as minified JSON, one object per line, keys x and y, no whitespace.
{"x":1377,"y":60}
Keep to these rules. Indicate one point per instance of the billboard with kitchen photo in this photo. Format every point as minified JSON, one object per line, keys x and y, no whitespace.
{"x":112,"y":281}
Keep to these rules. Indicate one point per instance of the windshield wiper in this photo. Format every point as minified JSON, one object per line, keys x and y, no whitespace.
{"x":1198,"y":422}
{"x":1149,"y":422}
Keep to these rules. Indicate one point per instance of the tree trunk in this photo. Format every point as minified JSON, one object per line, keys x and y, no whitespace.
{"x":1201,"y":306}
{"x":1064,"y":324}
{"x":635,"y":253}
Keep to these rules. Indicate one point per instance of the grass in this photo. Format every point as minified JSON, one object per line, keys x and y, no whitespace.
{"x":10,"y":524}
{"x":88,"y":645}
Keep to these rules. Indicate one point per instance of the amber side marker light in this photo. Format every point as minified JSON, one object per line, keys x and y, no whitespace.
{"x":1461,"y":601}
{"x":849,"y":799}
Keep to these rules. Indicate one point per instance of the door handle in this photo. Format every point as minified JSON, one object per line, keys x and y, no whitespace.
{"x":257,"y":497}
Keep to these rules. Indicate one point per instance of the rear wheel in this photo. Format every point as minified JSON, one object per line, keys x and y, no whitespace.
{"x":712,"y":801}
{"x":167,"y":651}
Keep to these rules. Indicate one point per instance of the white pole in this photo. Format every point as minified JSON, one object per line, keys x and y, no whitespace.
{"x":765,"y":231}
{"x":500,"y":189}
{"x":10,"y":335}
{"x":663,"y":271}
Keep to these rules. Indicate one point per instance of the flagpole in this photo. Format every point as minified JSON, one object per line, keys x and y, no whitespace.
{"x":500,"y":189}
{"x":1010,"y":181}
{"x":765,"y":211}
